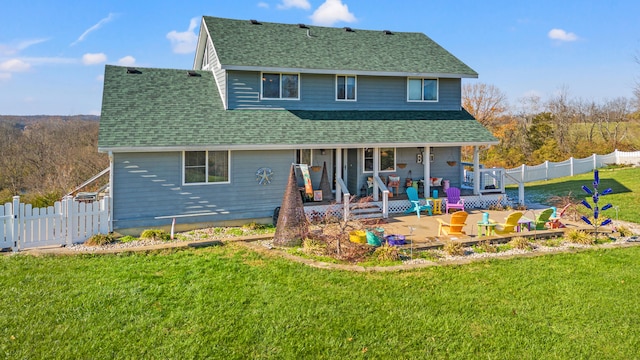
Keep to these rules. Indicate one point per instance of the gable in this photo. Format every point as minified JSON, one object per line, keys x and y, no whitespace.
{"x":242,"y":45}
{"x":164,"y":109}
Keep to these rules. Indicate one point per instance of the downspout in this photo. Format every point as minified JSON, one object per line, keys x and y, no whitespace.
{"x":111,"y":168}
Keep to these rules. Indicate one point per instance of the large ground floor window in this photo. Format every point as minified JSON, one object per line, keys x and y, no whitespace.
{"x":387,"y":157}
{"x":204,"y":167}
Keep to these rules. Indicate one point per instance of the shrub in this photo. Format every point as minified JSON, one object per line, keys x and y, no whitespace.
{"x":99,"y":240}
{"x":624,"y":231}
{"x":155,"y":234}
{"x":521,"y":243}
{"x":386,"y":253}
{"x":127,"y":239}
{"x":555,"y":242}
{"x":484,"y":246}
{"x":314,"y":247}
{"x":503,"y":247}
{"x":579,"y":237}
{"x":453,"y":248}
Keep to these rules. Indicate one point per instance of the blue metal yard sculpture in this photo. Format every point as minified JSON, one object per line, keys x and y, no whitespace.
{"x":595,"y":196}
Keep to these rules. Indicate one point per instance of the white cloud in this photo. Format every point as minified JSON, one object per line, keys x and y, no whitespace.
{"x":5,"y":76}
{"x":184,"y":42}
{"x":100,"y":78}
{"x":127,"y":61}
{"x":10,"y":50}
{"x":561,"y":35}
{"x":263,"y":5}
{"x":94,"y":28}
{"x":14,"y":65}
{"x":94,"y":59}
{"x":300,"y":4}
{"x":331,"y":12}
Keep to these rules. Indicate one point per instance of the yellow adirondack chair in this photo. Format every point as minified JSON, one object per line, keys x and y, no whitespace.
{"x":455,"y":225}
{"x":509,"y":225}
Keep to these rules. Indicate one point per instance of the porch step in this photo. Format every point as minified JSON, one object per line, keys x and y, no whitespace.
{"x":365,"y":211}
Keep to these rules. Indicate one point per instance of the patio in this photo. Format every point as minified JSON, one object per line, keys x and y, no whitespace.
{"x":425,"y":229}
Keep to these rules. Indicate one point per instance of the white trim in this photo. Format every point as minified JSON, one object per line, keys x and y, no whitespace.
{"x":348,"y":71}
{"x":206,"y":167}
{"x":282,"y":146}
{"x":422,"y":79}
{"x":355,"y":92}
{"x":280,"y":87}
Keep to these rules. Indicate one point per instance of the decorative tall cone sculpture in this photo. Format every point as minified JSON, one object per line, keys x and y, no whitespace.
{"x":292,"y":225}
{"x":325,"y":186}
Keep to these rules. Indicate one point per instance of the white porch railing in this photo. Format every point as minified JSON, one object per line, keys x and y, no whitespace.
{"x":65,"y":223}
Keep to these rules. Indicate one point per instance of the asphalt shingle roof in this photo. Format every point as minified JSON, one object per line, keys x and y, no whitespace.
{"x":240,"y":43}
{"x":166,"y":108}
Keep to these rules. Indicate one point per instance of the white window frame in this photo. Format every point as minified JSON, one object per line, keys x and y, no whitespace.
{"x":206,"y":166}
{"x":355,"y":91}
{"x":395,"y":159}
{"x":422,"y":89}
{"x":280,"y":74}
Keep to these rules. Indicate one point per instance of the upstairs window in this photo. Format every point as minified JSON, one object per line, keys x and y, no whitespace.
{"x":280,"y":86}
{"x":422,"y":90}
{"x":205,"y":167}
{"x":346,"y":87}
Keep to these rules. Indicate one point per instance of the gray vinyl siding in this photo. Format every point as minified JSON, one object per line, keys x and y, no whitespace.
{"x":149,"y":185}
{"x":318,"y":92}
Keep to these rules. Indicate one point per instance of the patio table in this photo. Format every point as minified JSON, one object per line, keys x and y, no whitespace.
{"x":486,"y":229}
{"x":524,"y":222}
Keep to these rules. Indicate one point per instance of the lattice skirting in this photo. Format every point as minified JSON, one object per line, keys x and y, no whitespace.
{"x":400,"y":206}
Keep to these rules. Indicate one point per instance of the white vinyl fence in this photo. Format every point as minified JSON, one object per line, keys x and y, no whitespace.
{"x":67,"y":222}
{"x":551,"y":170}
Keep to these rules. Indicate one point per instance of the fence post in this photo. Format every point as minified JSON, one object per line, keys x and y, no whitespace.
{"x":571,"y":165}
{"x":15,"y":222}
{"x":595,"y":161}
{"x":546,"y":170}
{"x":68,"y":219}
{"x":616,"y":156}
{"x":522,"y":172}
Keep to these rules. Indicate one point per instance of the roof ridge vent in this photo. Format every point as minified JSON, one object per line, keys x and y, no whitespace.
{"x":132,"y":70}
{"x":302,"y":26}
{"x":254,"y":22}
{"x":387,"y":32}
{"x":192,"y":73}
{"x":348,"y":29}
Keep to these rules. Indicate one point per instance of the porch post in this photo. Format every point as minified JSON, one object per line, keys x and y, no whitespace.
{"x":338,"y":175}
{"x":426,"y":164}
{"x":376,"y":170}
{"x":476,"y":170}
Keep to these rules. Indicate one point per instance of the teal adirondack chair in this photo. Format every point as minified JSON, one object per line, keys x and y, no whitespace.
{"x":412,"y":193}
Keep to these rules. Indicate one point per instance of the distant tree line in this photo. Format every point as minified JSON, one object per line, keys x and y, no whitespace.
{"x":43,"y":158}
{"x":553,"y":130}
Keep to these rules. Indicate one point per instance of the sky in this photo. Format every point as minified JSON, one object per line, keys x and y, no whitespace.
{"x":53,"y":53}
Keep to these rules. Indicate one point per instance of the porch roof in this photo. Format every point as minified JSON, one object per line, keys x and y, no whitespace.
{"x":165,"y":109}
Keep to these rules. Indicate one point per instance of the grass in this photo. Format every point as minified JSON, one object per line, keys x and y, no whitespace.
{"x":227,"y":302}
{"x":623,"y":181}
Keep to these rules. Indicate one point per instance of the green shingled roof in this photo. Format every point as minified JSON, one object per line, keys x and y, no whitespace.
{"x":167,"y":109}
{"x":239,"y":43}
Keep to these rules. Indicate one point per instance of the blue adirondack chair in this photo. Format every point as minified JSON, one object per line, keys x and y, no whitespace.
{"x":412,"y":193}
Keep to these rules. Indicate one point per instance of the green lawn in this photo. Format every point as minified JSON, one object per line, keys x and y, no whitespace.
{"x":227,"y":302}
{"x":625,"y":183}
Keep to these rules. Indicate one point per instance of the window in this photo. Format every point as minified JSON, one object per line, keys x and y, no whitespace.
{"x":280,"y":86}
{"x":422,"y":90}
{"x":203,"y":167}
{"x":345,"y":87}
{"x":303,"y":156}
{"x":387,"y":157}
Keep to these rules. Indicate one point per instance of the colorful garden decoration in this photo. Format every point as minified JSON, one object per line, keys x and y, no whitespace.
{"x":595,"y":196}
